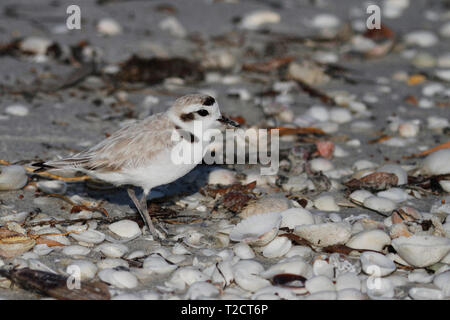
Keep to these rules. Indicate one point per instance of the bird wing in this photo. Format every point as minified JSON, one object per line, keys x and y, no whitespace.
{"x":131,"y":146}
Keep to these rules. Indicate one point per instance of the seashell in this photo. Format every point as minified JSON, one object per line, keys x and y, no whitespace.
{"x":445,"y":185}
{"x":277,"y":247}
{"x":185,"y":276}
{"x":369,"y":240}
{"x":265,"y":205}
{"x":326,"y":203}
{"x":256,"y":19}
{"x":125,"y":228}
{"x":109,"y":27}
{"x":425,"y":294}
{"x":89,"y":236}
{"x":350,"y":294}
{"x":325,"y":234}
{"x":321,"y":164}
{"x":201,"y":290}
{"x":126,"y":296}
{"x":223,"y":273}
{"x":222,"y":176}
{"x":112,"y":250}
{"x":421,"y":38}
{"x":348,"y":280}
{"x":360,"y":195}
{"x":318,"y":284}
{"x":405,"y":214}
{"x":376,"y":264}
{"x":380,"y":204}
{"x":394,"y":194}
{"x":323,"y":268}
{"x":294,"y":265}
{"x":258,"y":230}
{"x":12,"y":178}
{"x":340,"y":115}
{"x":14,"y":246}
{"x":442,"y":281}
{"x":158,"y":265}
{"x":294,"y":217}
{"x":420,"y":276}
{"x":301,"y":251}
{"x":110,"y":263}
{"x":363,"y":165}
{"x":250,"y":282}
{"x":421,"y":251}
{"x":274,"y":293}
{"x":401,"y":174}
{"x":52,"y":186}
{"x":42,"y":249}
{"x":437,"y":163}
{"x":325,"y":21}
{"x":149,"y":295}
{"x":399,"y":230}
{"x":408,"y":129}
{"x":243,"y":251}
{"x":85,"y":269}
{"x":75,"y":250}
{"x":120,"y":279}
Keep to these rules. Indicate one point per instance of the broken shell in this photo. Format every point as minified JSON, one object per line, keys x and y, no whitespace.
{"x":420,"y":276}
{"x":326,"y":203}
{"x":397,"y":170}
{"x":360,"y":195}
{"x":380,"y":204}
{"x":277,"y":247}
{"x":112,"y":250}
{"x":256,"y":19}
{"x":295,"y":265}
{"x":294,"y":217}
{"x":318,"y":284}
{"x":12,"y":178}
{"x":369,"y":240}
{"x":109,"y":27}
{"x":380,"y":288}
{"x":325,"y":234}
{"x":75,"y":250}
{"x":201,"y":290}
{"x":323,"y":268}
{"x":399,"y":230}
{"x":110,"y":263}
{"x":222,"y":176}
{"x":437,"y":162}
{"x":421,"y":251}
{"x":394,"y":194}
{"x":185,"y":276}
{"x":442,"y":281}
{"x":258,"y":230}
{"x":376,"y":264}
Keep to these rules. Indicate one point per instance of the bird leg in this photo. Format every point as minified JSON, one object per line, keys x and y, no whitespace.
{"x":142,"y":208}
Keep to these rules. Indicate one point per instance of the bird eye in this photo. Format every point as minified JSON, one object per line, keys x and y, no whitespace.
{"x":203,"y":112}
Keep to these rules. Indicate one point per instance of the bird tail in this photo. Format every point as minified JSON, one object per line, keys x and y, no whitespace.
{"x":68,"y":163}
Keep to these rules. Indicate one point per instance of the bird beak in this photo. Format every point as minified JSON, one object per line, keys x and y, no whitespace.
{"x":228,"y":121}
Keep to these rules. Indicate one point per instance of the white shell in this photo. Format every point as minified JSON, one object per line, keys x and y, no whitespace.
{"x":437,"y":163}
{"x":258,"y":229}
{"x":294,"y":217}
{"x":42,"y":249}
{"x":12,"y":178}
{"x":421,"y":38}
{"x":112,"y":250}
{"x":243,"y":251}
{"x":201,"y":290}
{"x":394,"y":194}
{"x":185,"y":276}
{"x":376,"y":264}
{"x":222,"y":176}
{"x":360,"y":195}
{"x":323,"y":268}
{"x":369,"y":239}
{"x":321,"y":164}
{"x":158,"y":265}
{"x":52,"y":186}
{"x":325,"y":234}
{"x":85,"y":269}
{"x":108,"y":26}
{"x":278,"y":247}
{"x":420,"y":276}
{"x":110,"y":263}
{"x":89,"y":236}
{"x":350,"y":294}
{"x":323,"y":295}
{"x":35,"y":45}
{"x":380,"y":288}
{"x":421,"y":251}
{"x":75,"y":250}
{"x":250,"y":282}
{"x":125,"y":228}
{"x":326,"y":203}
{"x":17,"y":110}
{"x":442,"y":281}
{"x":120,"y":279}
{"x":380,"y":204}
{"x":301,"y":251}
{"x":425,"y":294}
{"x":318,"y":284}
{"x":294,"y":265}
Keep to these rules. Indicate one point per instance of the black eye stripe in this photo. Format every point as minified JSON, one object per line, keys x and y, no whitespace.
{"x":203,"y":112}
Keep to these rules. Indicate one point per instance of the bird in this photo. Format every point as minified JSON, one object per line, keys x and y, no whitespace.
{"x":140,"y":154}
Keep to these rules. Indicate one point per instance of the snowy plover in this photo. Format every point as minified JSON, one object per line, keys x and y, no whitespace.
{"x":141,"y":154}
